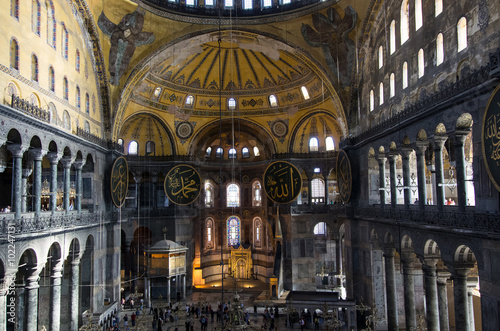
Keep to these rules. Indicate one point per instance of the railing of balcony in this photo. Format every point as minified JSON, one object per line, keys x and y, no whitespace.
{"x":28,"y":108}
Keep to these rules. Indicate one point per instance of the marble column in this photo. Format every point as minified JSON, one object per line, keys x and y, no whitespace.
{"x":168,"y":289}
{"x":444,"y":322}
{"x":20,"y":305}
{"x":17,"y":151}
{"x":75,"y":294}
{"x":460,"y":137}
{"x":154,"y":181}
{"x":381,"y":178}
{"x":431,"y":295}
{"x":37,"y":154}
{"x":24,"y":201}
{"x":78,"y":185}
{"x":392,"y":173}
{"x":138,"y":190}
{"x":462,"y":321}
{"x":32,"y":302}
{"x":54,"y":160}
{"x":183,"y":286}
{"x":405,"y":155}
{"x":390,"y":285}
{"x":3,"y":305}
{"x":55,"y":299}
{"x":470,"y":297}
{"x":66,"y":161}
{"x":421,"y":147}
{"x":438,"y":158}
{"x":408,"y":261}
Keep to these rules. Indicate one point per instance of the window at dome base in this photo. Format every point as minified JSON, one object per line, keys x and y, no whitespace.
{"x":330,"y":144}
{"x":245,"y":152}
{"x":256,"y":151}
{"x":313,"y":144}
{"x":232,"y":153}
{"x":219,"y":152}
{"x":208,"y":152}
{"x":305,"y":92}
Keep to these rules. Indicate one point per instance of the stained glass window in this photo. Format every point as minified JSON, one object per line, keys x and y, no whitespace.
{"x":233,"y":231}
{"x":233,"y":195}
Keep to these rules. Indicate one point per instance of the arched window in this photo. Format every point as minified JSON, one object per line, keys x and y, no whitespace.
{"x":233,"y":231}
{"x":150,"y":148}
{"x":256,"y":194}
{"x":65,"y":42}
{"x":52,"y":79}
{"x":120,"y":141}
{"x":372,"y":101}
{"x":439,"y":49}
{"x":36,"y":17}
{"x":219,"y":152}
{"x":245,"y":152}
{"x":189,"y":101}
{"x":405,"y":21}
{"x":273,"y":101}
{"x":209,"y":195}
{"x":392,"y":86}
{"x":133,"y":148}
{"x":393,"y":36}
{"x":232,"y":153}
{"x":320,"y":229}
{"x":87,"y":126}
{"x":51,"y":24}
{"x":14,"y":9}
{"x":52,"y":113}
{"x":209,"y":232}
{"x":66,"y":120}
{"x":247,"y":4}
{"x":77,"y":61}
{"x":313,"y":144}
{"x":87,"y":103}
{"x":209,"y":3}
{"x":330,"y":144}
{"x":381,"y":93}
{"x":65,"y":88}
{"x":305,"y":92}
{"x":405,"y":75}
{"x":12,"y":90}
{"x":14,"y":54}
{"x":233,"y":195}
{"x":231,"y":104}
{"x":418,"y":15}
{"x":380,"y":57}
{"x":256,"y":151}
{"x":34,"y":68}
{"x":267,"y":3}
{"x":438,"y":7}
{"x":190,"y":3}
{"x":421,"y":63}
{"x":34,"y":100}
{"x":228,"y":3}
{"x":157,"y":93}
{"x":257,"y":231}
{"x":284,"y":2}
{"x":208,"y":152}
{"x":318,"y":190}
{"x":462,"y":34}
{"x":77,"y":97}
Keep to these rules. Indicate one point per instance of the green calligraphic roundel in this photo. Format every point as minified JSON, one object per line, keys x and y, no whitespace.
{"x":119,"y":181}
{"x":344,"y":176}
{"x":182,"y":184}
{"x":282,"y":182}
{"x":490,"y":137}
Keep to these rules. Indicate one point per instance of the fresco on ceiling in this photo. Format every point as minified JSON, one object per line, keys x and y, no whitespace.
{"x":331,"y":33}
{"x":124,"y":38}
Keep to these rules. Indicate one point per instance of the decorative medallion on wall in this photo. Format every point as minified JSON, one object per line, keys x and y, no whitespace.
{"x":282,"y":182}
{"x":344,"y":176}
{"x":184,"y":130}
{"x":119,"y":181}
{"x":490,"y":137}
{"x":182,"y":184}
{"x":279,"y":128}
{"x":245,"y":179}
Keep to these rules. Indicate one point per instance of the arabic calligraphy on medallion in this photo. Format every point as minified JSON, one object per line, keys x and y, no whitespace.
{"x":491,"y":138}
{"x":282,"y":182}
{"x":344,"y":176}
{"x":119,"y":181}
{"x":182,"y":184}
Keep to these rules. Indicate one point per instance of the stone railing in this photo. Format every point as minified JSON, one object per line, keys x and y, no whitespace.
{"x":450,"y":219}
{"x":98,"y":141}
{"x":309,"y":155}
{"x":29,"y":108}
{"x":28,"y":225}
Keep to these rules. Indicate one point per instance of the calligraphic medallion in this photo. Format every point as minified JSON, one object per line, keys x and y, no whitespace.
{"x":490,"y":137}
{"x":182,"y":184}
{"x":344,"y":176}
{"x":119,"y":181}
{"x":282,"y":182}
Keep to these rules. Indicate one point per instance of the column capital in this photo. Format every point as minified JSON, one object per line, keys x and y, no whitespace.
{"x":388,"y":252}
{"x":37,"y":153}
{"x":421,"y":146}
{"x":26,"y":172}
{"x":57,"y":271}
{"x":439,"y":142}
{"x":17,"y":150}
{"x":381,"y":158}
{"x":54,"y":157}
{"x":78,"y":164}
{"x":392,"y":156}
{"x":66,"y":161}
{"x":460,"y":136}
{"x":405,"y":152}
